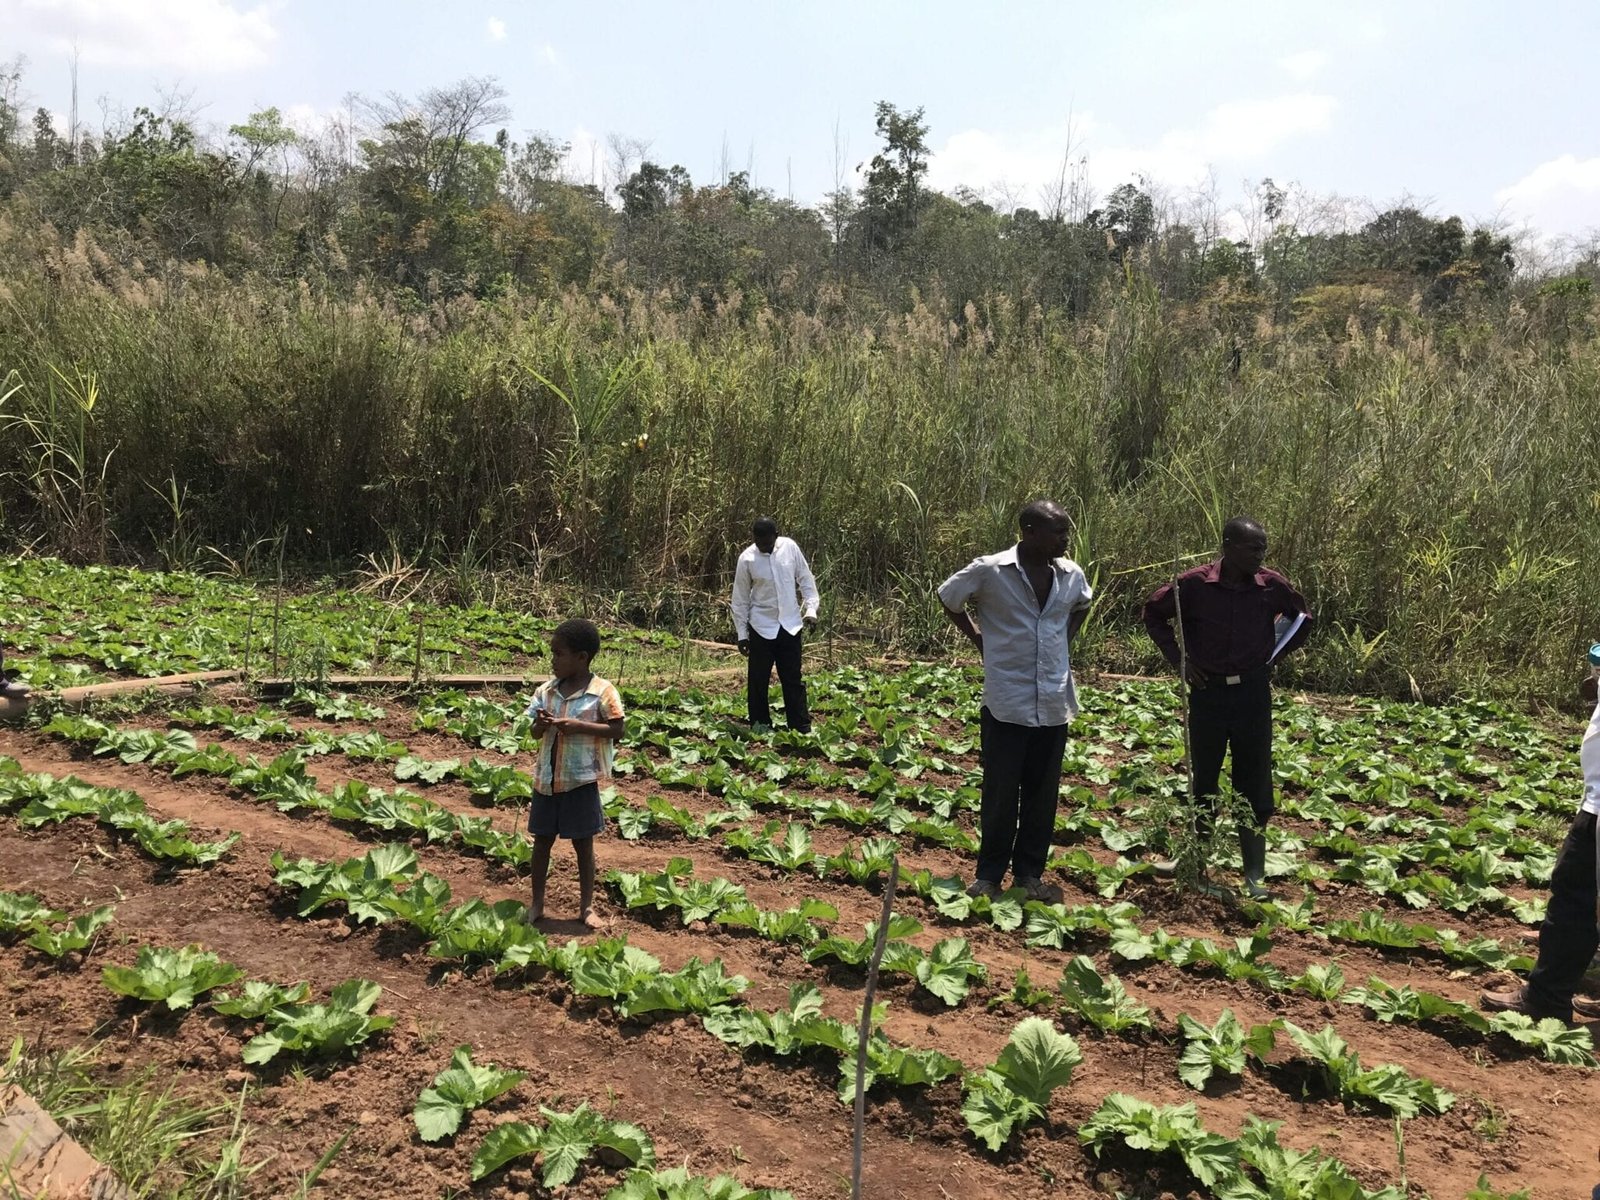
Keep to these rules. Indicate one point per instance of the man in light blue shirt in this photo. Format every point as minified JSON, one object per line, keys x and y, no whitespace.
{"x":1029,"y":601}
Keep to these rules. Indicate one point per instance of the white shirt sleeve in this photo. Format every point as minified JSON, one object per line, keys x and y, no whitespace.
{"x":807,"y":582}
{"x":741,"y":599}
{"x":1589,"y":757}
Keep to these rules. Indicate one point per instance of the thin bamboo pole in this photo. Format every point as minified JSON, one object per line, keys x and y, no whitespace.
{"x":878,"y":946}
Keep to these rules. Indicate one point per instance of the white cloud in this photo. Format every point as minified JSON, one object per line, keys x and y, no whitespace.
{"x":586,"y":158}
{"x":195,"y":35}
{"x":497,"y":29}
{"x":1030,"y":164}
{"x":1304,"y":66}
{"x":1248,"y":129}
{"x":1561,"y":196}
{"x":548,"y":53}
{"x":1371,"y":27}
{"x":1238,"y":133}
{"x":309,"y":121}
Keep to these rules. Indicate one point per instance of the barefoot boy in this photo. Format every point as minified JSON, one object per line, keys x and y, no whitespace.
{"x":579,"y":718}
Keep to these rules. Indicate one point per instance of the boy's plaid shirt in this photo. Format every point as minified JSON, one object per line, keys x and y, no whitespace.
{"x":570,"y":760}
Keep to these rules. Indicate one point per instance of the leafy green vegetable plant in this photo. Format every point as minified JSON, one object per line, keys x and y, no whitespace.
{"x":676,"y":888}
{"x":258,"y":998}
{"x":676,"y":1183}
{"x":1221,"y":1048}
{"x":458,"y":1090}
{"x":790,"y":925}
{"x":1320,"y":981}
{"x":1221,"y":1165}
{"x":1015,"y":1089}
{"x":74,"y":936}
{"x":320,"y":1031}
{"x":793,"y":1030}
{"x":792,"y":852}
{"x":949,"y":970}
{"x":175,"y":977}
{"x":562,"y":1144}
{"x":21,"y":913}
{"x":898,"y":954}
{"x":1102,"y":1001}
{"x":1210,"y":1158}
{"x":1388,"y":1085}
{"x":1558,"y":1043}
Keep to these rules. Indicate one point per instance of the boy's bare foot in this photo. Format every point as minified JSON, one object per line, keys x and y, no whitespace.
{"x":535,"y":913}
{"x":591,"y":918}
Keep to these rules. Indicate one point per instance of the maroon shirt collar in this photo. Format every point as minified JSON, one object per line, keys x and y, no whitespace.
{"x":1212,"y":573}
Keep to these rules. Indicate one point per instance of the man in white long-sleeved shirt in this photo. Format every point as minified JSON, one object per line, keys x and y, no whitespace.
{"x":1568,"y":936}
{"x":774,"y":599}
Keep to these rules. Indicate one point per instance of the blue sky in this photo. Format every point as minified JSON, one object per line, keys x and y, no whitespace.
{"x":1469,"y":107}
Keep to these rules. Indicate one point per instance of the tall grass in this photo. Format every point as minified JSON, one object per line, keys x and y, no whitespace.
{"x":158,"y":1142}
{"x":1433,"y":487}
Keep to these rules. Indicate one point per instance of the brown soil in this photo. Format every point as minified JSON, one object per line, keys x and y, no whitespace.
{"x":1521,"y":1121}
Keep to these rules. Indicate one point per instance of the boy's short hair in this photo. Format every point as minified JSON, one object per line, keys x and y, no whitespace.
{"x":579,"y":635}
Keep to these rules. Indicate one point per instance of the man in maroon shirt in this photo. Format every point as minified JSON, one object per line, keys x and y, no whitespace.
{"x":1232,"y":610}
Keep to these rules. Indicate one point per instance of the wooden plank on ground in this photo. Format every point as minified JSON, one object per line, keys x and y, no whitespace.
{"x":39,"y":1160}
{"x":358,"y":682}
{"x":14,"y":708}
{"x":194,"y":680}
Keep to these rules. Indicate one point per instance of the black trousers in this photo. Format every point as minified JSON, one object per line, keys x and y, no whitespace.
{"x":1235,"y":717}
{"x":1568,"y":937}
{"x":1021,"y":786}
{"x":784,"y":650}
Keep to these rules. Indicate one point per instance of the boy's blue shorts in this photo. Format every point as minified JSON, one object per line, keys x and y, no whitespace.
{"x":574,"y":814}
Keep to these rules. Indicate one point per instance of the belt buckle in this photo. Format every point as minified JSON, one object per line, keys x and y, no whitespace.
{"x":1232,"y":678}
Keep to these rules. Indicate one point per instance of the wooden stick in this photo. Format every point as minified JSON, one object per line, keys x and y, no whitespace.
{"x":277,"y":605}
{"x":416,"y":664}
{"x":249,"y":634}
{"x":878,"y":945}
{"x":1183,"y":679}
{"x":277,"y":614}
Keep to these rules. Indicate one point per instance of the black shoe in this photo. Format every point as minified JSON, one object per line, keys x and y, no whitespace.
{"x":1038,"y":889}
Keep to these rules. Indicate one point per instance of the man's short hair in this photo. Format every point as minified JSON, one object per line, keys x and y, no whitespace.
{"x":578,"y":635}
{"x":762,"y":526}
{"x":1036,"y":512}
{"x":1238,"y":527}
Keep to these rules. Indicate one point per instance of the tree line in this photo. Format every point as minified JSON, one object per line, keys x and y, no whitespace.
{"x":431,"y":197}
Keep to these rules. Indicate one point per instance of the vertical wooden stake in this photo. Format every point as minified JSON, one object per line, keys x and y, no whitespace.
{"x":277,"y":616}
{"x":277,"y":604}
{"x":249,"y":635}
{"x":416,"y":663}
{"x":1183,"y":679}
{"x":878,"y":945}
